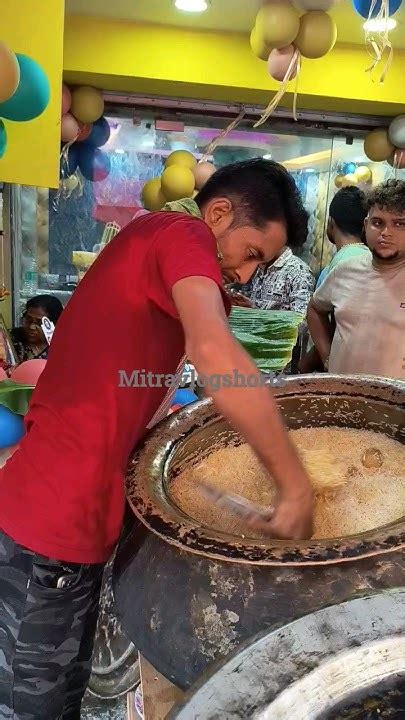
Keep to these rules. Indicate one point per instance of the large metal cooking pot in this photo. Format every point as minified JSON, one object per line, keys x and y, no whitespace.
{"x":342,"y":662}
{"x":188,"y":595}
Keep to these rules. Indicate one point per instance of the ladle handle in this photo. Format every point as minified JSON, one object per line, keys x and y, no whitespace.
{"x":237,"y":504}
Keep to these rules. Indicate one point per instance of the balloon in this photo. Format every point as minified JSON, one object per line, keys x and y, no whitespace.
{"x":184,"y":397}
{"x":308,"y":5}
{"x":202,"y":172}
{"x":377,"y":146}
{"x":100,"y":133}
{"x":11,"y":427}
{"x":3,"y":374}
{"x":349,"y":180}
{"x":69,"y":128}
{"x":258,"y":46}
{"x":350,"y":168}
{"x":363,"y":7}
{"x":10,"y":73}
{"x":28,"y":372}
{"x":339,"y":181}
{"x":94,"y":164}
{"x":3,"y":138}
{"x":87,"y":104}
{"x":278,"y":24}
{"x":397,"y":160}
{"x":32,"y":95}
{"x":85,"y":131}
{"x":363,"y":174}
{"x":181,"y":157}
{"x":66,"y":99}
{"x":152,"y":196}
{"x":69,"y":166}
{"x":279,"y":62}
{"x":396,"y":132}
{"x":177,"y":182}
{"x":317,"y":34}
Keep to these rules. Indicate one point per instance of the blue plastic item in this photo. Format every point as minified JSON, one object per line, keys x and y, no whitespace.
{"x":11,"y":428}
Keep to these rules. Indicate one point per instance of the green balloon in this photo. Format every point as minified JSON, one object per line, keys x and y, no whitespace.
{"x":3,"y":139}
{"x":32,"y":95}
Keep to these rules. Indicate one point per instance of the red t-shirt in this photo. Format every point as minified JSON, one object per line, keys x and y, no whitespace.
{"x":62,"y":492}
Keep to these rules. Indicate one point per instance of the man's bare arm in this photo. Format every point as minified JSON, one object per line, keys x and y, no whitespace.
{"x":252,"y":411}
{"x":321,"y":330}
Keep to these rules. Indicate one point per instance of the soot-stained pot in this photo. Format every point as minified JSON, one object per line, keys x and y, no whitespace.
{"x":188,"y":595}
{"x":344,"y":662}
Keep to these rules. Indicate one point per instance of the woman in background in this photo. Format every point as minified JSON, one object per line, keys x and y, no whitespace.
{"x":29,"y":340}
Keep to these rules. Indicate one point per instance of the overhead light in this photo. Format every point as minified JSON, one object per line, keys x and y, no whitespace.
{"x":267,"y":157}
{"x":191,"y":5}
{"x":380,"y":25}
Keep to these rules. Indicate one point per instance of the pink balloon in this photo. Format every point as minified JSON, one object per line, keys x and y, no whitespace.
{"x":70,"y":128}
{"x":3,"y":375}
{"x":28,"y":372}
{"x":66,"y":99}
{"x":279,"y":62}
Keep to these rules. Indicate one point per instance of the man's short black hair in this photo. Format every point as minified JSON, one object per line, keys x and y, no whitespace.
{"x":390,"y":195}
{"x":349,"y":210}
{"x":260,"y":191}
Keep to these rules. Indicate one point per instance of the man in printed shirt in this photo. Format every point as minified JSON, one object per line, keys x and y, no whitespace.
{"x":367,"y":296}
{"x":286,"y":283}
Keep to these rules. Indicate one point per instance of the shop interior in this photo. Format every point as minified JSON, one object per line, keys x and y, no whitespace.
{"x":198,"y":620}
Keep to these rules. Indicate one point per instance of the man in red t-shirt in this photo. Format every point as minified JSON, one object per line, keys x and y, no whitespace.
{"x":157,"y":291}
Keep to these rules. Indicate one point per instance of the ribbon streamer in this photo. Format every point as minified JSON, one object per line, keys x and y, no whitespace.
{"x":223,"y":134}
{"x":64,"y":191}
{"x":398,"y":158}
{"x":294,"y":66}
{"x":378,"y":41}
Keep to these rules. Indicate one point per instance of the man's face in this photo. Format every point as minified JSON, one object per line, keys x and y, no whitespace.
{"x":243,"y":249}
{"x":385,"y":234}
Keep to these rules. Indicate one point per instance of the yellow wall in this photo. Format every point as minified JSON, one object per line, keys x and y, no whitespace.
{"x":35,"y":28}
{"x":171,"y":61}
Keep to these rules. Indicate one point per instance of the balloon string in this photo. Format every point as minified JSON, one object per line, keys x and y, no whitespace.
{"x":398,"y":155}
{"x":223,"y":134}
{"x":377,"y":42}
{"x":294,"y":66}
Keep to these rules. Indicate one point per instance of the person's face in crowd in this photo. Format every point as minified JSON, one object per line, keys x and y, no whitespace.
{"x":32,"y":319}
{"x":385,"y":234}
{"x":244,"y":248}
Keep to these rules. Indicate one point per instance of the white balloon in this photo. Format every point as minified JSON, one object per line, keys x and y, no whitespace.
{"x":308,"y":5}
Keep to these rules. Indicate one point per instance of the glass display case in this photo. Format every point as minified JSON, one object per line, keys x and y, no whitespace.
{"x":56,"y":228}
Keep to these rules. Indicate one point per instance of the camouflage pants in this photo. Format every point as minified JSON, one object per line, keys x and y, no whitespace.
{"x":48,"y":617}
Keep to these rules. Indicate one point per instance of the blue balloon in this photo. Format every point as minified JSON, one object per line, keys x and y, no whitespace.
{"x":69,"y":165}
{"x":100,"y":133}
{"x":94,"y":164}
{"x":32,"y":95}
{"x":11,"y":428}
{"x":350,"y":168}
{"x":363,"y":7}
{"x":3,"y":138}
{"x":184,"y":397}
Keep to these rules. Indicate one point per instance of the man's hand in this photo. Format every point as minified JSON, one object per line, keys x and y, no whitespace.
{"x":292,"y":519}
{"x":321,"y":330}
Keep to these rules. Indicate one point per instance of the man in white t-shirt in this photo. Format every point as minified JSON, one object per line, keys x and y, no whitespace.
{"x":367,"y":296}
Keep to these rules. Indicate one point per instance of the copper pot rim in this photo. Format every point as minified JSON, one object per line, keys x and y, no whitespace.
{"x":153,"y":507}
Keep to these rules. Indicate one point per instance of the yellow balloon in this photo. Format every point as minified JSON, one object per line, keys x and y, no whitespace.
{"x":152,"y":195}
{"x":258,"y":46}
{"x":377,"y":146}
{"x":350,"y":180}
{"x":9,"y":73}
{"x":184,"y":158}
{"x":339,"y":181}
{"x":87,"y":104}
{"x":317,"y":34}
{"x":278,"y":24}
{"x":178,"y":182}
{"x":363,"y":174}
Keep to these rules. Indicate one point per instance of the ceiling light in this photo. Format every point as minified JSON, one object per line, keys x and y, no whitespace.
{"x":191,"y":5}
{"x":380,"y":25}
